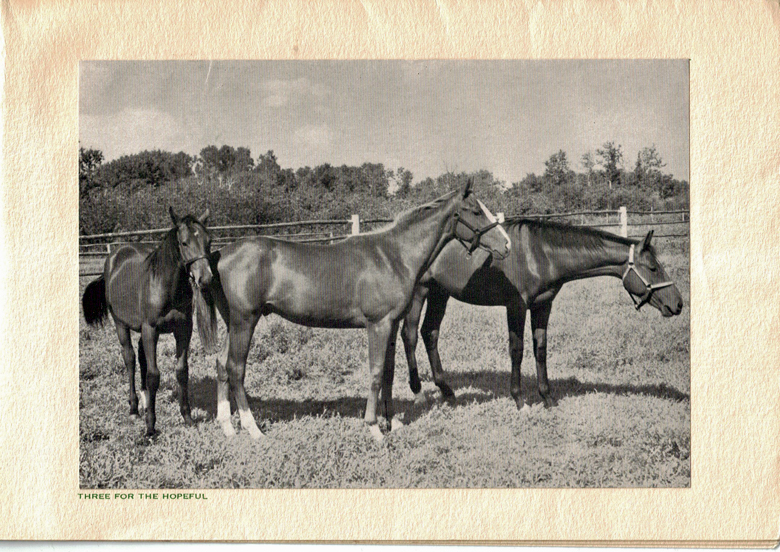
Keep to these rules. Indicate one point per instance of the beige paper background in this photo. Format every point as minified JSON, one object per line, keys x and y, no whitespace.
{"x":734,"y":49}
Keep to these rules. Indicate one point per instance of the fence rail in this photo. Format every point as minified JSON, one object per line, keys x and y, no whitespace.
{"x":89,"y":243}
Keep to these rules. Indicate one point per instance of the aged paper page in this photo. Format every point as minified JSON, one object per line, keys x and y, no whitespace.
{"x":734,"y":52}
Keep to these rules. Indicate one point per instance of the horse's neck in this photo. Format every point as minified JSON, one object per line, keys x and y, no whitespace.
{"x":170,"y":277}
{"x":422,"y":239}
{"x":578,"y":262}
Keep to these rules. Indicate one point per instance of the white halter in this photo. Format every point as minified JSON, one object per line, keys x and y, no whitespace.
{"x":650,"y":288}
{"x":492,"y":218}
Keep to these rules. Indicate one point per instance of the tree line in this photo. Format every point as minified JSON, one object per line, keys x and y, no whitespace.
{"x":134,"y":191}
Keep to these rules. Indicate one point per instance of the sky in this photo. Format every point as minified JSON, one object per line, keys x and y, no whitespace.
{"x":430,"y":117}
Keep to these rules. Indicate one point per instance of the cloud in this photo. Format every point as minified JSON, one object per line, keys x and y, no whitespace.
{"x":317,"y":137}
{"x":278,"y":93}
{"x":133,"y":130}
{"x":94,"y":81}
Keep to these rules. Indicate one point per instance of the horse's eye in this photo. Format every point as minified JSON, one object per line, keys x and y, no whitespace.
{"x":183,"y":244}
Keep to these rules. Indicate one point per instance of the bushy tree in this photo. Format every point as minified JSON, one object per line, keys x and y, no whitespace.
{"x":223,"y":163}
{"x":610,"y":157}
{"x":556,"y":169}
{"x":135,"y":191}
{"x":153,"y":168}
{"x":268,"y":166}
{"x":403,"y":180}
{"x":589,"y":164}
{"x":89,"y":162}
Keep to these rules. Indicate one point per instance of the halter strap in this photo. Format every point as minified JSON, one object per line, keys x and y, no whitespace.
{"x":492,"y":218}
{"x":479,"y":232}
{"x":649,"y":288}
{"x":189,"y":263}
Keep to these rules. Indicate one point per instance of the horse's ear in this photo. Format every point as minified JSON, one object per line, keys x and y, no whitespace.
{"x":467,"y":189}
{"x":646,"y":241}
{"x":204,"y":217}
{"x":174,"y":218}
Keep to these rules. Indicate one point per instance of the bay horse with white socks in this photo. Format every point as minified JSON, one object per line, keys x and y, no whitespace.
{"x":544,"y":257}
{"x":364,"y":281}
{"x":146,"y":290}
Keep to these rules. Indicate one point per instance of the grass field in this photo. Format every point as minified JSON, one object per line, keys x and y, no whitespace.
{"x":622,"y":379}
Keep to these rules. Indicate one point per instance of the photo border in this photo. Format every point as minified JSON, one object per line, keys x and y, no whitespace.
{"x":734,"y":48}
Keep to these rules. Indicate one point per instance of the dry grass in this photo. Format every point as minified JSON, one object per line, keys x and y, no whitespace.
{"x":622,"y":379}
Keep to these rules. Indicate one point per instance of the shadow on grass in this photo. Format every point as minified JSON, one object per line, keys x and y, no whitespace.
{"x":490,"y":385}
{"x":497,"y":384}
{"x":203,"y":395}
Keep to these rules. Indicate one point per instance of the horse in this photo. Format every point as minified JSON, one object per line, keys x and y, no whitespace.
{"x":146,"y":290}
{"x":546,"y":256}
{"x":364,"y":281}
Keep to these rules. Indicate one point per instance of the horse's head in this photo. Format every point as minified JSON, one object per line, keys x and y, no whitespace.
{"x":194,"y":246}
{"x":475,"y":226}
{"x":644,"y":277}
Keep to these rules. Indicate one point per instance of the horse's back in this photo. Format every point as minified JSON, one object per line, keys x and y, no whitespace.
{"x":313,"y":285}
{"x":125,"y":275}
{"x":347,"y":284}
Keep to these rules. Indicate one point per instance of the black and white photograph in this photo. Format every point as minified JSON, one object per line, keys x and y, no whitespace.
{"x":384,"y":274}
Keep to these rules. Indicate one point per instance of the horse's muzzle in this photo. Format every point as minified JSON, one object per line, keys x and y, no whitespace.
{"x":202,"y":280}
{"x":199,"y":272}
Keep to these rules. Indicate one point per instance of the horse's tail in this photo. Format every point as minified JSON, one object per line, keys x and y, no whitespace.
{"x":94,"y":302}
{"x":205,"y":313}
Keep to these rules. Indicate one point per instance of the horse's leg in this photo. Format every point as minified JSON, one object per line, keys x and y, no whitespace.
{"x":378,"y":341}
{"x":183,"y":334}
{"x":144,"y":397}
{"x":515,"y":321}
{"x":240,"y":338}
{"x":123,"y":333}
{"x":149,"y":336}
{"x":409,"y":336}
{"x":434,"y":314}
{"x":387,"y":379}
{"x":223,"y":384}
{"x":540,"y":316}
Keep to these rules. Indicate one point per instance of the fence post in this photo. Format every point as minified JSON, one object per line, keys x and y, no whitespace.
{"x":355,"y":225}
{"x":623,"y":221}
{"x":500,"y":218}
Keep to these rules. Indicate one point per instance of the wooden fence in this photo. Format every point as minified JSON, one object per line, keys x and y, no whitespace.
{"x":94,"y":248}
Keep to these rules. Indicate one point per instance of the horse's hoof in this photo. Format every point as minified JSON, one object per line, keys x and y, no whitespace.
{"x":189,"y":422}
{"x":396,"y":424}
{"x":447,"y":392}
{"x":255,"y":433}
{"x":376,"y":433}
{"x":550,"y":402}
{"x":135,"y":417}
{"x":227,"y":429}
{"x":420,"y":399}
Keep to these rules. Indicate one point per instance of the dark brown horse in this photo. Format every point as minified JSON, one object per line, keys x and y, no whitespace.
{"x":146,"y":290}
{"x":545,"y":256}
{"x":364,"y":281}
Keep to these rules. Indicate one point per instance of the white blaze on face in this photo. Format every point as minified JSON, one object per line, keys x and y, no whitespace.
{"x":492,"y":218}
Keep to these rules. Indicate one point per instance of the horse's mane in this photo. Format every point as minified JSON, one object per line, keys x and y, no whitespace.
{"x":410,"y":216}
{"x":559,"y":234}
{"x":166,"y":256}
